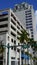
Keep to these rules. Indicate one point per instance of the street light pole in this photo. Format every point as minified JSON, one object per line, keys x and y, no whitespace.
{"x":8,"y":46}
{"x":8,"y":53}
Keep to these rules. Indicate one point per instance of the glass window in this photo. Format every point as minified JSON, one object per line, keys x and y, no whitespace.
{"x":3,"y":19}
{"x":13,"y":34}
{"x":13,"y":28}
{"x":13,"y":22}
{"x":3,"y":25}
{"x":13,"y":16}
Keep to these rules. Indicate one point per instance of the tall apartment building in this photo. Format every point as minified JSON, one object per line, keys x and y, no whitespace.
{"x":25,"y":13}
{"x":10,"y":28}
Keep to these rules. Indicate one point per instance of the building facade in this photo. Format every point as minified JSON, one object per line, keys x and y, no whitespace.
{"x":25,"y":13}
{"x":10,"y":30}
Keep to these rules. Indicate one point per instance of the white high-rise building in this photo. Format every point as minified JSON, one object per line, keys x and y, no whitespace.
{"x":10,"y":28}
{"x":25,"y":13}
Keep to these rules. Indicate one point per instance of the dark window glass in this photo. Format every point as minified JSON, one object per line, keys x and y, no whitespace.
{"x":31,"y":35}
{"x":13,"y":22}
{"x":31,"y":29}
{"x":18,"y":33}
{"x":18,"y":43}
{"x":13,"y":28}
{"x":31,"y":32}
{"x":18,"y":27}
{"x":1,"y":62}
{"x":17,"y":37}
{"x":3,"y":19}
{"x":12,"y":47}
{"x":12,"y":62}
{"x":18,"y":23}
{"x":12,"y":57}
{"x":3,"y":31}
{"x":11,"y":40}
{"x":4,"y":25}
{"x":27,"y":11}
{"x":17,"y":50}
{"x":28,"y":24}
{"x":13,"y":34}
{"x":29,"y":19}
{"x":14,"y":41}
{"x":8,"y":37}
{"x":13,"y":16}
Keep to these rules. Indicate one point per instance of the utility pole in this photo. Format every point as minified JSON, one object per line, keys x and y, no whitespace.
{"x":8,"y":46}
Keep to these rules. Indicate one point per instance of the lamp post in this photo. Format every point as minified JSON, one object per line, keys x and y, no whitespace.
{"x":8,"y":46}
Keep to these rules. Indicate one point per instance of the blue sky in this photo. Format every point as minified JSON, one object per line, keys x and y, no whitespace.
{"x":11,"y":3}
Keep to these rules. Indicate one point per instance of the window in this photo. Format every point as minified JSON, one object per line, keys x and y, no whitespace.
{"x":21,"y":27}
{"x":18,"y":27}
{"x":13,"y":34}
{"x":3,"y":25}
{"x":31,"y":29}
{"x":31,"y":32}
{"x":17,"y":37}
{"x":13,"y":16}
{"x":18,"y":23}
{"x":12,"y":47}
{"x":17,"y":50}
{"x":13,"y":22}
{"x":3,"y":31}
{"x":27,"y":13}
{"x":18,"y":43}
{"x":8,"y":37}
{"x":13,"y":28}
{"x":18,"y":33}
{"x":28,"y":16}
{"x":12,"y":57}
{"x":3,"y":19}
{"x":12,"y":62}
{"x":28,"y":24}
{"x":11,"y":40}
{"x":14,"y":41}
{"x":31,"y":35}
{"x":29,"y":19}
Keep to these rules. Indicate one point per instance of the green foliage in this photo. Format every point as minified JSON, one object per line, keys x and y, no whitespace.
{"x":27,"y":53}
{"x":24,"y":36}
{"x":1,"y":49}
{"x":32,"y":43}
{"x":34,"y":58}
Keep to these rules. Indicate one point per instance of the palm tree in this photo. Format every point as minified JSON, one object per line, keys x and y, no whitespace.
{"x":33,"y":44}
{"x":23,"y":37}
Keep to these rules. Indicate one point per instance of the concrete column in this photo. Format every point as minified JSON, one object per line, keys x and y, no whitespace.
{"x":20,"y":56}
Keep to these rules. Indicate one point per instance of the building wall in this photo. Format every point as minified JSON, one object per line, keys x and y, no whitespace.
{"x":25,"y":13}
{"x":10,"y":34}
